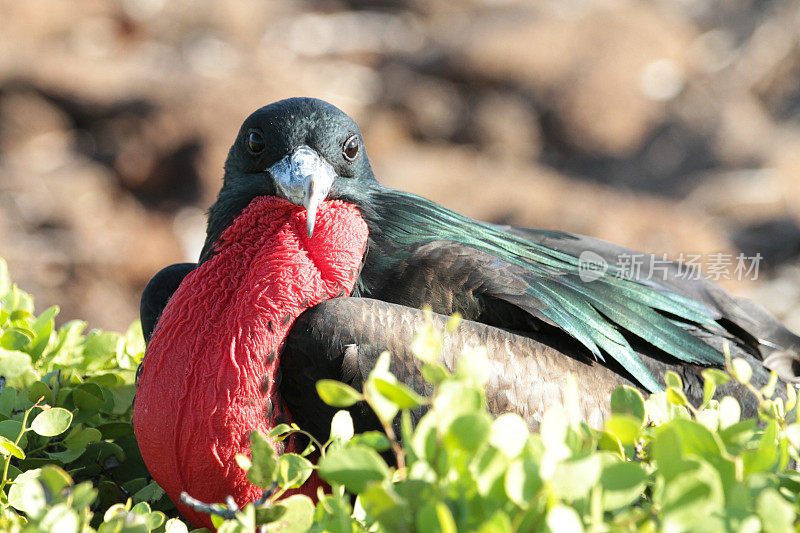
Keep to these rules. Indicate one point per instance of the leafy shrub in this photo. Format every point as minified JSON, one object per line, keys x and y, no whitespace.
{"x":66,"y":438}
{"x":658,"y":464}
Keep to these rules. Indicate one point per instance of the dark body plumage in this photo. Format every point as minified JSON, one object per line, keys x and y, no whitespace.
{"x":520,"y":291}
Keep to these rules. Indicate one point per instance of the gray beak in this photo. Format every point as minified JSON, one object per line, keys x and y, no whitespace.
{"x":304,"y":178}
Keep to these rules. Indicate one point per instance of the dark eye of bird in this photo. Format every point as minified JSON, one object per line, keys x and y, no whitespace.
{"x":351,"y":146}
{"x":255,"y":142}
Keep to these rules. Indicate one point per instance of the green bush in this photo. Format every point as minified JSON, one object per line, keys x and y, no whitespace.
{"x":659,"y":464}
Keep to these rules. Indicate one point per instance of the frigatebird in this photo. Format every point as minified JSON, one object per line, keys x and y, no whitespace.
{"x":524,"y":293}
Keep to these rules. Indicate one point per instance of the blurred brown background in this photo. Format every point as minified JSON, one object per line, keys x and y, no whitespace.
{"x":666,"y":125}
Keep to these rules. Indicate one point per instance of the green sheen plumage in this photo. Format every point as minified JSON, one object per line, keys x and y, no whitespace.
{"x":595,"y":313}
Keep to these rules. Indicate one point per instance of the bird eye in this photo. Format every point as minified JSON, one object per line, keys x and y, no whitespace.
{"x":255,"y":141}
{"x":351,"y":146}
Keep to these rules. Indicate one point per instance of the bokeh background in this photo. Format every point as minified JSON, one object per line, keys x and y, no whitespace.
{"x":670,"y":126}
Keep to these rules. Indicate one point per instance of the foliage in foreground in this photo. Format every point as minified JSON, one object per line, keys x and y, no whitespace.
{"x":70,"y":462}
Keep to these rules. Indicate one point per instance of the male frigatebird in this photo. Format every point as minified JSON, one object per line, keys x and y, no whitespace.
{"x":522,"y":292}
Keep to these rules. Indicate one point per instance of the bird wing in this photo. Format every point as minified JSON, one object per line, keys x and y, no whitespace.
{"x":601,"y":311}
{"x":749,"y":321}
{"x":158,"y":292}
{"x":342,"y":338}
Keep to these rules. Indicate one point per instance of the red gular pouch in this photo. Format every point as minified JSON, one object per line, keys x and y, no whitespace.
{"x":207,"y":378}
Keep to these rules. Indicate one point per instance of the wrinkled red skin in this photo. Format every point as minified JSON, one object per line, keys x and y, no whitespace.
{"x":203,"y":388}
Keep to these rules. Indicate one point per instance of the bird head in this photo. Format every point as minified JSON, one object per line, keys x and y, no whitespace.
{"x":302,"y":149}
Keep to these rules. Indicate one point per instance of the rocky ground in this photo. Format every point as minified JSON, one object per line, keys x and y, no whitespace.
{"x":669,"y":126}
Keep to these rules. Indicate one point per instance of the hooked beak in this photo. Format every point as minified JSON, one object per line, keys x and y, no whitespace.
{"x":304,"y":178}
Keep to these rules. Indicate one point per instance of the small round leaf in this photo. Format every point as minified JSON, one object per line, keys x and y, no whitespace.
{"x":7,"y":447}
{"x":402,"y":395}
{"x":52,"y":422}
{"x":626,"y":400}
{"x":337,"y":394}
{"x":742,"y":370}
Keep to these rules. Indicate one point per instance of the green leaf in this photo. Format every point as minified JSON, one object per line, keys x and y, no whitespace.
{"x":672,"y":379}
{"x":622,"y":484}
{"x":434,"y":373}
{"x":387,"y":507}
{"x":54,"y":479}
{"x":155,"y":520}
{"x":454,"y":398}
{"x":768,"y":390}
{"x":776,"y":514}
{"x":765,"y":456}
{"x":376,"y":440}
{"x":468,"y":431}
{"x":384,"y":408}
{"x":574,"y":477}
{"x":742,"y":370}
{"x":436,"y":517}
{"x":298,"y":517}
{"x":676,"y":397}
{"x":83,"y":495}
{"x":10,"y":429}
{"x":488,"y":467}
{"x":709,"y":418}
{"x":791,"y":396}
{"x":354,"y":467}
{"x":709,"y":389}
{"x":15,"y":339}
{"x":509,"y":433}
{"x":729,"y":412}
{"x":697,"y":439}
{"x":150,"y":493}
{"x":738,"y":434}
{"x":264,"y":461}
{"x":337,"y":394}
{"x":293,"y":470}
{"x":523,"y":481}
{"x":61,"y":518}
{"x":342,"y":426}
{"x":43,"y":326}
{"x":269,"y":513}
{"x":38,"y":390}
{"x":716,"y":376}
{"x":563,"y":519}
{"x":667,"y":452}
{"x":174,"y":525}
{"x":610,"y":443}
{"x":100,"y":346}
{"x":402,"y":396}
{"x":8,"y":398}
{"x":134,"y":339}
{"x":88,"y":396}
{"x":8,"y":447}
{"x":624,"y":427}
{"x":67,"y":456}
{"x":27,"y":494}
{"x":80,"y":437}
{"x":425,"y":441}
{"x":474,"y":365}
{"x":52,"y":422}
{"x":115,"y":430}
{"x":427,"y":343}
{"x":691,"y":495}
{"x":14,"y":363}
{"x":278,"y":430}
{"x":69,"y":336}
{"x":626,"y":400}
